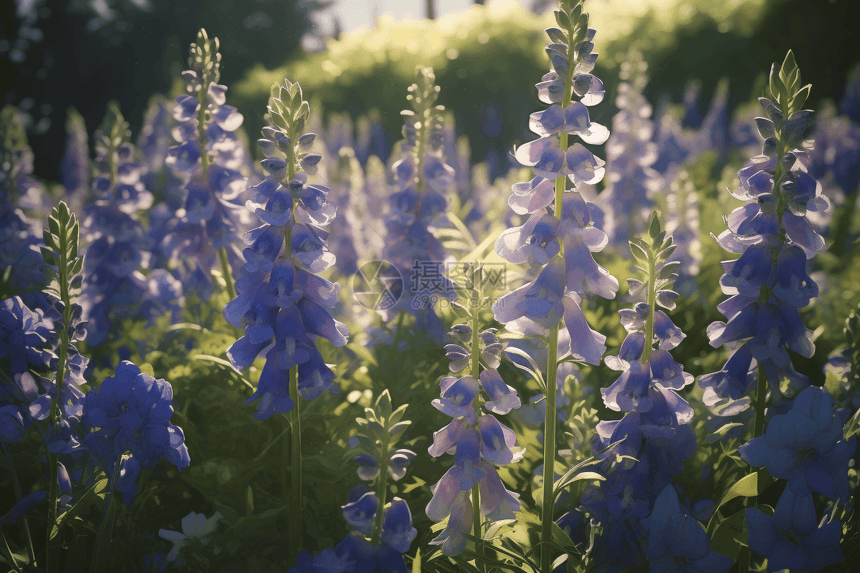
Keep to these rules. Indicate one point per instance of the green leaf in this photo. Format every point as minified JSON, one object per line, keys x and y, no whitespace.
{"x":801,"y":96}
{"x":730,"y":536}
{"x":49,"y":257}
{"x":86,"y":500}
{"x":750,"y":485}
{"x":416,"y":562}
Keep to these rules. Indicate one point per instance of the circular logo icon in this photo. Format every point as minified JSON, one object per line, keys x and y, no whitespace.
{"x":377,"y":285}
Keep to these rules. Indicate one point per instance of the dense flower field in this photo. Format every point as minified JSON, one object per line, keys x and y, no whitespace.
{"x":631,"y":345}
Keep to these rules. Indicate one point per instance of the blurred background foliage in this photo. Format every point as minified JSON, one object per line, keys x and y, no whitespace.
{"x":488,"y":59}
{"x":84,"y":53}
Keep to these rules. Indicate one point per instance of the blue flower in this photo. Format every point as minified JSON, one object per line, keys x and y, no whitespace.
{"x":769,"y":282}
{"x":792,"y":538}
{"x":480,"y":441}
{"x":22,"y":337}
{"x":129,"y":413}
{"x":805,"y":447}
{"x":677,"y":542}
{"x":281,"y":297}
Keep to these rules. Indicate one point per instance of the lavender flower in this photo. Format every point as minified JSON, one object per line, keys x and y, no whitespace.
{"x":280,"y":297}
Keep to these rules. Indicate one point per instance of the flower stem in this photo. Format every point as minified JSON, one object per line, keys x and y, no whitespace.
{"x":18,"y":497}
{"x":296,"y":466}
{"x":652,"y":300}
{"x":56,"y":414}
{"x":381,"y":495}
{"x":226,"y":273}
{"x":552,"y":360}
{"x":477,"y":526}
{"x":758,"y":430}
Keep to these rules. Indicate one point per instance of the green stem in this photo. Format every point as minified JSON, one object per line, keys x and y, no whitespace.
{"x":56,"y":413}
{"x":225,"y":272}
{"x":758,"y":430}
{"x":101,"y":550}
{"x":652,"y":298}
{"x":381,"y":495}
{"x":18,"y":497}
{"x":549,"y":445}
{"x":296,"y":466}
{"x":477,"y":522}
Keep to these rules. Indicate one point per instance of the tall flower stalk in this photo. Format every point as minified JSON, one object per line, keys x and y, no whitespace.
{"x":422,"y":176}
{"x":208,"y":158}
{"x":281,"y":297}
{"x":472,"y":489}
{"x":63,"y":266}
{"x":769,"y":283}
{"x":559,"y":238}
{"x":653,"y":439}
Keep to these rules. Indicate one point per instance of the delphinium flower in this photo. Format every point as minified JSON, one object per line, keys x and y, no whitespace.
{"x":682,"y":224}
{"x":128,"y":427}
{"x":713,"y":134}
{"x":19,"y":253}
{"x":805,"y":446}
{"x":64,"y":406}
{"x":208,"y":158}
{"x":471,"y":489}
{"x":154,"y":142}
{"x":422,"y":178}
{"x":656,"y":418}
{"x":792,"y":539}
{"x":358,"y":234}
{"x":769,"y":283}
{"x":631,"y":181}
{"x":114,"y":287}
{"x":558,"y":239}
{"x":382,"y":530}
{"x":370,"y":138}
{"x":75,"y":164}
{"x":677,"y":542}
{"x":836,"y":164}
{"x":280,"y":296}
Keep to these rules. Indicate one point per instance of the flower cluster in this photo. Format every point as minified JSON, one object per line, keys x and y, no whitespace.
{"x":479,"y":441}
{"x":630,"y":152}
{"x":559,"y":238}
{"x":281,"y":296}
{"x":654,"y":429}
{"x":208,"y":158}
{"x":682,"y":223}
{"x":769,"y":283}
{"x":115,"y":287}
{"x":677,"y":541}
{"x":19,"y":236}
{"x":128,"y":426}
{"x":422,"y":177}
{"x":387,"y":525}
